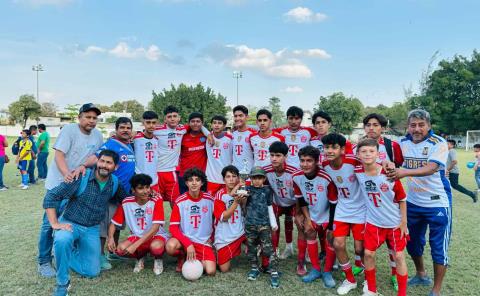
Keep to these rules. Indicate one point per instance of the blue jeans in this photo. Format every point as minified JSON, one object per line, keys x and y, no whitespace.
{"x":31,"y":171}
{"x":42,"y":165}
{"x":78,"y":250}
{"x":2,"y":163}
{"x":45,"y":237}
{"x":477,"y":177}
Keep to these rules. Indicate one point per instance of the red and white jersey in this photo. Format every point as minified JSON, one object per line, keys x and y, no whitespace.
{"x":169,"y":146}
{"x":227,"y":231}
{"x":146,"y":156}
{"x":318,"y":192}
{"x":282,"y":186}
{"x":260,"y":146}
{"x":219,"y":156}
{"x":295,"y":141}
{"x":242,"y":150}
{"x":317,"y":143}
{"x":382,"y":152}
{"x":194,"y":216}
{"x":140,"y":218}
{"x":351,"y":207}
{"x":382,"y":198}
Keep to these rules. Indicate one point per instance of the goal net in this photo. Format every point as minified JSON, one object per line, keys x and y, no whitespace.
{"x":473,"y":137}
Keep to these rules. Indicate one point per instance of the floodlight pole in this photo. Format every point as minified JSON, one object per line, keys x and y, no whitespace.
{"x":37,"y":68}
{"x":237,"y":75}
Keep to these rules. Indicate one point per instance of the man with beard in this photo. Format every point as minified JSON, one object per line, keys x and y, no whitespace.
{"x":77,"y":231}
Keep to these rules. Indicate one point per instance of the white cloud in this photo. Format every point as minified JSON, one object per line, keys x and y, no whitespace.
{"x":44,"y":2}
{"x":293,"y":89}
{"x":124,"y":51}
{"x":312,"y":53}
{"x":303,"y":15}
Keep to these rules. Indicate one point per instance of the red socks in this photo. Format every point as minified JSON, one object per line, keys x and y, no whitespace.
{"x":330,"y":257}
{"x":371,"y":280}
{"x":402,"y":284}
{"x":358,"y":261}
{"x":275,"y":238}
{"x":302,"y":249}
{"x":312,"y":247}
{"x":347,"y":269}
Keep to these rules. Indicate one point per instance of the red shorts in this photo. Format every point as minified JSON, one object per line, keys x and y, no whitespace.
{"x":343,"y":229}
{"x":155,"y":188}
{"x":376,"y":236}
{"x":203,"y":252}
{"x":287,"y":211}
{"x":230,"y":251}
{"x":144,"y":248}
{"x":168,"y":185}
{"x":321,"y":229}
{"x":212,"y":188}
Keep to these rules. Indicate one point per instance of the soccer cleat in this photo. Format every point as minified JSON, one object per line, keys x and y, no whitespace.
{"x":301,"y":269}
{"x":328,"y":280}
{"x":346,"y":287}
{"x":357,"y":270}
{"x":46,"y":270}
{"x":287,"y":252}
{"x":419,"y":281}
{"x":275,"y":280}
{"x":139,"y":265}
{"x":312,"y":275}
{"x":157,"y":266}
{"x":253,"y":274}
{"x":62,"y":290}
{"x":104,"y":264}
{"x":394,"y":281}
{"x":180,"y":261}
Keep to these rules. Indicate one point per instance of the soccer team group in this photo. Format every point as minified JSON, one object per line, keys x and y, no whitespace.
{"x":228,"y":189}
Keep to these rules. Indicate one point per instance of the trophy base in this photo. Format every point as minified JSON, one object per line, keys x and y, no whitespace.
{"x":242,"y":192}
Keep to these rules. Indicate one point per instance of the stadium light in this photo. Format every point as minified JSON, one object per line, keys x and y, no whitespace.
{"x":237,"y":75}
{"x":37,"y":68}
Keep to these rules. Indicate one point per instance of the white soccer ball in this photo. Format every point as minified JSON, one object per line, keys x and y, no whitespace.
{"x":192,"y":270}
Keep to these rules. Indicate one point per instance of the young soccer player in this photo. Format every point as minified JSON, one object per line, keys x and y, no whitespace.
{"x":24,"y":156}
{"x":386,"y":215}
{"x":242,"y":150}
{"x":317,"y":197}
{"x":219,"y":155}
{"x":476,"y":168}
{"x":279,"y":176}
{"x":350,"y":211}
{"x":143,"y":214}
{"x":191,"y":224}
{"x":296,"y":136}
{"x":259,"y":223}
{"x":230,"y":227}
{"x":145,"y":145}
{"x":264,"y":138}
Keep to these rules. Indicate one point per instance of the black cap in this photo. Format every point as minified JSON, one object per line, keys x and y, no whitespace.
{"x":89,"y":107}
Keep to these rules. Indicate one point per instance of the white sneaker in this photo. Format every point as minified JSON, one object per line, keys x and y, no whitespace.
{"x":157,"y":266}
{"x":24,"y":187}
{"x":346,"y":287}
{"x":139,"y":265}
{"x":365,"y":286}
{"x":3,"y":189}
{"x":307,"y":258}
{"x":287,"y":252}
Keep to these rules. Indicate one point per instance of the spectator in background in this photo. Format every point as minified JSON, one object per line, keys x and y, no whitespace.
{"x":3,"y":160}
{"x":454,"y":172}
{"x":43,"y":143}
{"x":31,"y":163}
{"x":25,"y":155}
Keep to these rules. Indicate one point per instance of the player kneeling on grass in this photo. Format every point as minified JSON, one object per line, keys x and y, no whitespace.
{"x":317,"y":197}
{"x":230,"y":226}
{"x":386,"y":215}
{"x":144,"y":217}
{"x":191,"y":223}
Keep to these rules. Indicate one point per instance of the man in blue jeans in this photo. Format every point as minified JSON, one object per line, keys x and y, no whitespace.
{"x":43,"y":144}
{"x":31,"y":163}
{"x":77,"y":232}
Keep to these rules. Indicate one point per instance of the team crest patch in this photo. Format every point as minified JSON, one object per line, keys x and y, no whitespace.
{"x":217,"y":143}
{"x":320,"y":188}
{"x":289,"y":183}
{"x":384,"y":187}
{"x":308,"y":186}
{"x":293,"y":137}
{"x":425,"y":151}
{"x":203,"y":139}
{"x":352,"y":178}
{"x":205,"y":209}
{"x":339,"y":179}
{"x":149,"y":210}
{"x":124,"y":158}
{"x":225,"y":145}
{"x":262,"y":144}
{"x":303,"y":139}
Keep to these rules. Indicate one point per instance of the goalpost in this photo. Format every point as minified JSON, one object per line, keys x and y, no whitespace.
{"x":473,"y":137}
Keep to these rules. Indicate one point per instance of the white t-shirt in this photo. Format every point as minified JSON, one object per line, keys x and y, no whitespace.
{"x":229,"y":231}
{"x":146,"y":156}
{"x":77,"y":147}
{"x":219,"y":155}
{"x":282,"y":186}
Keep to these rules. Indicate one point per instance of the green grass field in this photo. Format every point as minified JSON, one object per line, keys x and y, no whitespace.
{"x":21,"y":213}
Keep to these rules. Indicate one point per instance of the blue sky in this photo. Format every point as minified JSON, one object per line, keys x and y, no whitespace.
{"x":103,"y":51}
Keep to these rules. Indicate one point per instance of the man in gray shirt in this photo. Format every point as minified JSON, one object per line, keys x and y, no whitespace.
{"x":453,"y":171}
{"x":75,"y":150}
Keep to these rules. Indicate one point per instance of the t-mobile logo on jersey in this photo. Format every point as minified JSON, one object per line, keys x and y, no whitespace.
{"x":149,"y":155}
{"x":375,"y":198}
{"x":344,"y":192}
{"x":216,"y":153}
{"x":172,"y":143}
{"x":312,"y":198}
{"x":293,"y":149}
{"x":238,"y":149}
{"x":262,"y":154}
{"x":195,"y":221}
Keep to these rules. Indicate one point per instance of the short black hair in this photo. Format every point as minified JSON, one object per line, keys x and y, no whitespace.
{"x":264,"y":112}
{"x":195,"y":115}
{"x":219,"y":118}
{"x":476,"y":146}
{"x":109,"y":153}
{"x":295,"y":111}
{"x":367,"y":142}
{"x":230,"y":169}
{"x":240,"y":108}
{"x":309,"y":151}
{"x":334,"y":138}
{"x":195,"y":172}
{"x":321,"y":114}
{"x":42,"y":127}
{"x":122,"y":120}
{"x":149,"y":115}
{"x":278,"y":147}
{"x":379,"y":117}
{"x":140,"y":179}
{"x":452,"y":141}
{"x":170,"y":109}
{"x":27,"y":131}
{"x":33,"y":128}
